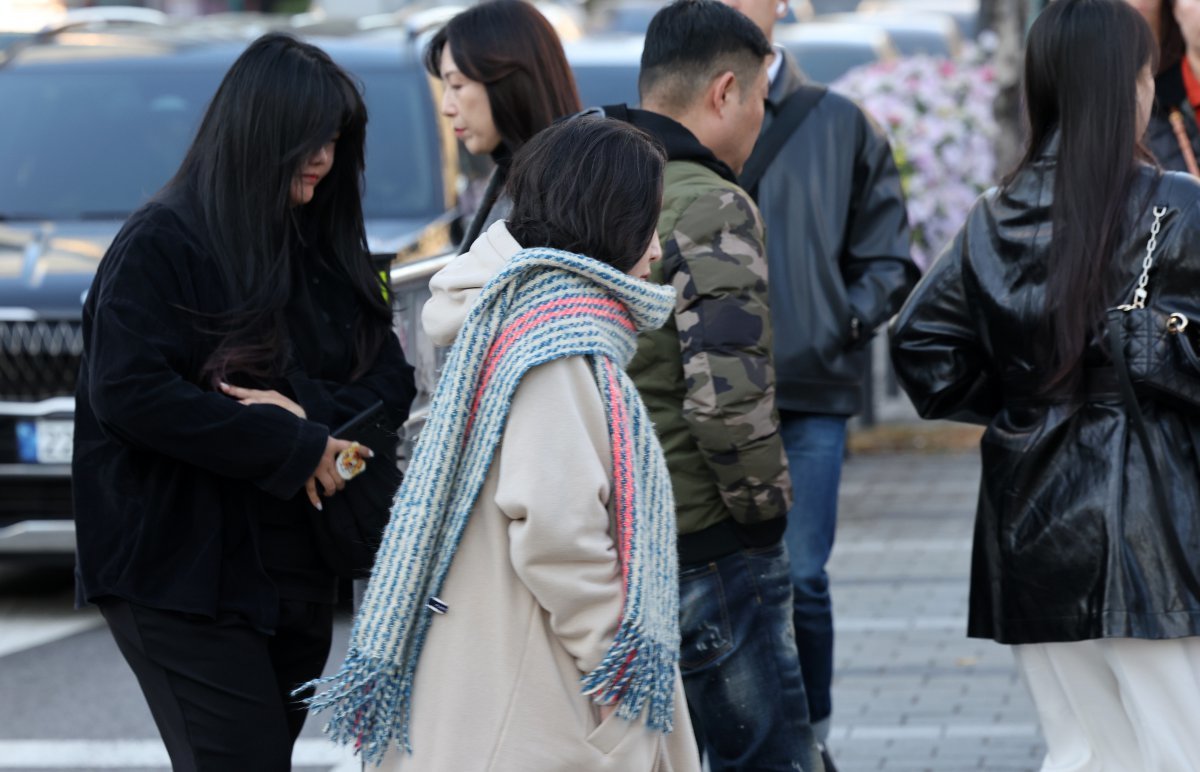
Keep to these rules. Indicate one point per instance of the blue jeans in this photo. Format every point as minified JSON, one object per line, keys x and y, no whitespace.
{"x":815,"y":445}
{"x":739,"y":664}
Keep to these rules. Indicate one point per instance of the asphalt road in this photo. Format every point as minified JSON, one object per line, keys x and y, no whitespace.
{"x":68,"y":701}
{"x":911,"y":692}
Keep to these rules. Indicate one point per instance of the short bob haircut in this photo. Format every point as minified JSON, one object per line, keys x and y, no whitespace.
{"x":509,"y":47}
{"x":588,"y":185}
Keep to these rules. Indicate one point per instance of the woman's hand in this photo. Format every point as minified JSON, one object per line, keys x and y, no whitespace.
{"x":326,"y":473}
{"x":260,"y":397}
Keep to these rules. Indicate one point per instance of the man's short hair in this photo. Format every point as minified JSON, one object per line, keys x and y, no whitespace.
{"x":690,"y":42}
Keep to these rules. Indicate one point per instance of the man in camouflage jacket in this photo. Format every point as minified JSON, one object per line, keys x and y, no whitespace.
{"x":709,"y":383}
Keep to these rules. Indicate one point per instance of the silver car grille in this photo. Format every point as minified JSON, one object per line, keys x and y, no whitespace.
{"x":39,"y":359}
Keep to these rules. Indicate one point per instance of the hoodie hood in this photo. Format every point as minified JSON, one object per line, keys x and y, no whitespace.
{"x":453,"y":289}
{"x":680,"y":143}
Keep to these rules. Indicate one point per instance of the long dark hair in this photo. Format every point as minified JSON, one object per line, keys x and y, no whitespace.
{"x":1073,"y":46}
{"x":607,"y":208}
{"x":1171,"y":47}
{"x":509,"y":47}
{"x":280,"y":102}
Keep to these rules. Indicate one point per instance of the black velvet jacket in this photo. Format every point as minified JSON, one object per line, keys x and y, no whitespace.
{"x":175,"y":484}
{"x":1068,"y":545}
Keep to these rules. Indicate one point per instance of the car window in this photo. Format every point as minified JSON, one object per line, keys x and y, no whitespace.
{"x":825,"y":63}
{"x":404,"y":157}
{"x":96,"y":145}
{"x":606,"y":84}
{"x":92,"y":144}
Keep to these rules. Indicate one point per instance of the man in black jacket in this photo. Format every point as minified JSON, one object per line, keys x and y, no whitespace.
{"x":838,"y":255}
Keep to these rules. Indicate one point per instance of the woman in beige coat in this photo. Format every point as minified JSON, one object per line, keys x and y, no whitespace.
{"x":552,"y":639}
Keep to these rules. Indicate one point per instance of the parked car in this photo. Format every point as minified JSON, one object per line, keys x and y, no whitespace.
{"x":633,"y":16}
{"x":827,"y":50}
{"x":965,"y":13}
{"x":104,"y":122}
{"x":912,"y":33}
{"x":606,"y":68}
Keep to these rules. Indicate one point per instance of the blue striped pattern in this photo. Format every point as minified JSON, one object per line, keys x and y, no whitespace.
{"x":370,"y":698}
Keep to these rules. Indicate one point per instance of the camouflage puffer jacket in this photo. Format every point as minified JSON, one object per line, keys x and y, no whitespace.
{"x":707,"y":376}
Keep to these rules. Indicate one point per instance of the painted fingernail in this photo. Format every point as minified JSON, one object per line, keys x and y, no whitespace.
{"x":320,"y":507}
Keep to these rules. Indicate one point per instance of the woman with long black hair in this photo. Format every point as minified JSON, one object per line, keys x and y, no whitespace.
{"x":235,"y":319}
{"x":1080,"y":562}
{"x":505,"y":78}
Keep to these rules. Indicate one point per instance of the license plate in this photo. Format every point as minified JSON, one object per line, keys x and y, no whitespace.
{"x":45,"y":442}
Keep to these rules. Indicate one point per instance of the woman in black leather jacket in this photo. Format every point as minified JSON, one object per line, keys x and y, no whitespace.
{"x":1072,"y":560}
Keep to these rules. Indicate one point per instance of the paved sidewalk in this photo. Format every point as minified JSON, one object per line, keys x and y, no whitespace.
{"x":911,"y":691}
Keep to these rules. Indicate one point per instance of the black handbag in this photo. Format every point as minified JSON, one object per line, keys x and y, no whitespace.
{"x":350,"y":526}
{"x":1154,"y":342}
{"x":1152,"y":354}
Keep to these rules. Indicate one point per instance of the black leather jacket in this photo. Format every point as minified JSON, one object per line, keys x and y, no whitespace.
{"x":1170,"y":94}
{"x":837,"y":245}
{"x":1068,"y":545}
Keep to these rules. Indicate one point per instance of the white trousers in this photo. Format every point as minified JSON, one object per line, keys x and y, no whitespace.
{"x":1116,"y":705}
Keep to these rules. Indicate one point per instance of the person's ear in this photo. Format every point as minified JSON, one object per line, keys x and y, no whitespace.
{"x":722,"y":89}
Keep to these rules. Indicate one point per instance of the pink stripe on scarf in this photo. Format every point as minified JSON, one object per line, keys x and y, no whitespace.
{"x":611,"y":310}
{"x":622,"y":451}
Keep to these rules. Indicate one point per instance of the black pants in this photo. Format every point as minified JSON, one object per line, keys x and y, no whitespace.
{"x":219,"y":690}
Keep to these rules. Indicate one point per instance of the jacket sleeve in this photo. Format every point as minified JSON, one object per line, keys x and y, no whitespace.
{"x":936,"y":349}
{"x":140,"y":342}
{"x":876,"y":263}
{"x":389,"y":380}
{"x":554,"y":484}
{"x":717,"y":263}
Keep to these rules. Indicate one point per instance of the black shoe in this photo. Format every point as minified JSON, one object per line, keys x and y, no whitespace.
{"x":825,"y":758}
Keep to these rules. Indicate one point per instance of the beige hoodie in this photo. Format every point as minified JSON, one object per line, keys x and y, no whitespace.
{"x":455,"y":287}
{"x":534,"y":592}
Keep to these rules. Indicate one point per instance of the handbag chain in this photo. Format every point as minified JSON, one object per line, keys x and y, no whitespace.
{"x":1141,"y":292}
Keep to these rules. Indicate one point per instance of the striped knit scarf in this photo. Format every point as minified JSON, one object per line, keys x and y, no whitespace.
{"x":545,"y":304}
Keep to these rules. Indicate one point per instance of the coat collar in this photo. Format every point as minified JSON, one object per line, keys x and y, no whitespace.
{"x":789,"y":80}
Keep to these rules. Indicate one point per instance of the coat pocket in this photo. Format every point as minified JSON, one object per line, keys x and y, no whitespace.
{"x":609,"y":733}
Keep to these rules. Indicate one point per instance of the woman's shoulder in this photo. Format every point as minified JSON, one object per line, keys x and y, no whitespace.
{"x":1178,"y":190}
{"x":562,"y":386}
{"x":154,"y":225}
{"x":155,"y":244}
{"x":562,"y":381}
{"x":560,"y":398}
{"x":159,"y":217}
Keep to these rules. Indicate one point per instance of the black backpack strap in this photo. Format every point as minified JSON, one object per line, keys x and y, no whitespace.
{"x":791,"y":114}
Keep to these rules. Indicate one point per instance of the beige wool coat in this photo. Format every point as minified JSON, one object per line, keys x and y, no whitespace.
{"x":534,"y":592}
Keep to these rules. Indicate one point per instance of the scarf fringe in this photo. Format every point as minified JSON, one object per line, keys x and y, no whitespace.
{"x":638,"y":674}
{"x":369,"y":703}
